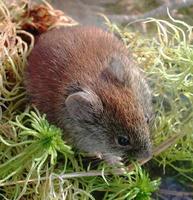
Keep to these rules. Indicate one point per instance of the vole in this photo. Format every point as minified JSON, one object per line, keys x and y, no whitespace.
{"x":88,"y":84}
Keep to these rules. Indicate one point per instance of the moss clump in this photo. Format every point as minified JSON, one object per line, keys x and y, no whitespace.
{"x":35,"y":162}
{"x":167,"y":59}
{"x":40,"y":159}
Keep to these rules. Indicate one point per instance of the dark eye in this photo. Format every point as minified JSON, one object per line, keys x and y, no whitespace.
{"x":123,"y":140}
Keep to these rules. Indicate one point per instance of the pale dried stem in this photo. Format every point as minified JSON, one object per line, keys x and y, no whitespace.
{"x":159,"y":149}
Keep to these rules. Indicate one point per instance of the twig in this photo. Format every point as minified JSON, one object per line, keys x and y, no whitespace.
{"x":162,"y":147}
{"x":159,"y":149}
{"x":160,"y":11}
{"x":63,"y":176}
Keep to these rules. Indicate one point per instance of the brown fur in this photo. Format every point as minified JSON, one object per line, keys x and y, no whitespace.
{"x":68,"y":60}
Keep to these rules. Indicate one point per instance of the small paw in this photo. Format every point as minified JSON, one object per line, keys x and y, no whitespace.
{"x":113,"y":160}
{"x":119,"y":171}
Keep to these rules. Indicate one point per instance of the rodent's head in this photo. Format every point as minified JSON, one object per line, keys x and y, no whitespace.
{"x":109,"y":126}
{"x":111,"y":118}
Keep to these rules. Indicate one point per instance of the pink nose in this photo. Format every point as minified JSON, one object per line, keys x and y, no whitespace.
{"x":144,"y":154}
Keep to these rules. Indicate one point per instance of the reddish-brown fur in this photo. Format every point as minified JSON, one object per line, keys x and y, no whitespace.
{"x":50,"y":92}
{"x":60,"y":63}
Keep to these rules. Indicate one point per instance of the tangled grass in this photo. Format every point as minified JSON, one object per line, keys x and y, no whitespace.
{"x":35,"y":162}
{"x":167,"y":58}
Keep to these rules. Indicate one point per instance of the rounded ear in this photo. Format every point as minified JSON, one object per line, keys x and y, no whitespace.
{"x":123,"y":68}
{"x":83,"y":105}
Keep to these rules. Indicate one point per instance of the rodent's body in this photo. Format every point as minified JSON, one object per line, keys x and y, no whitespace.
{"x":87,"y":83}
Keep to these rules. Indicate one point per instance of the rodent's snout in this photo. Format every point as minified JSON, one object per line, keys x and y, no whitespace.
{"x":142,"y":150}
{"x":143,"y":153}
{"x":137,"y":154}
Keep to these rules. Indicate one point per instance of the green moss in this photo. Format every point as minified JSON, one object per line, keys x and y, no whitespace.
{"x":167,"y":61}
{"x":35,"y":161}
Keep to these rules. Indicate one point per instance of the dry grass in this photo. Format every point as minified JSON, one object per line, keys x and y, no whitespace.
{"x":35,"y":163}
